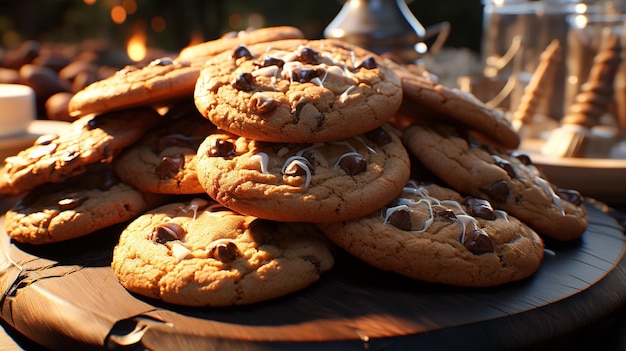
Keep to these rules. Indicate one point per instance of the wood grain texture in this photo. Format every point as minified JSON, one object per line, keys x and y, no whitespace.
{"x":65,"y":296}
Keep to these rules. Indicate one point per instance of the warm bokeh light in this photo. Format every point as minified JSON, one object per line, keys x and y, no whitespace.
{"x":130,"y":6}
{"x":118,"y":14}
{"x":235,"y":20}
{"x":157,"y":24}
{"x":256,"y":20}
{"x":136,"y":46}
{"x":89,"y":2}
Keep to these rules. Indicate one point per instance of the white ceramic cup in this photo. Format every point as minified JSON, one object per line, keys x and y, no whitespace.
{"x":17,"y":109}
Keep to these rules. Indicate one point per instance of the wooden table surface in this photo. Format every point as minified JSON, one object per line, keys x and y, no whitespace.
{"x":64,"y":296}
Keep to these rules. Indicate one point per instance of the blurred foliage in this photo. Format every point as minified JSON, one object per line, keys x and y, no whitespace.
{"x":187,"y":20}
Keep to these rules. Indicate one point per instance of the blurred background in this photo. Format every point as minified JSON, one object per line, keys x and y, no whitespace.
{"x":171,"y":25}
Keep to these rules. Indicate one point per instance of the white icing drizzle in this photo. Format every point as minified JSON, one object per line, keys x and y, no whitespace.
{"x":344,"y":96}
{"x":289,"y":69}
{"x":503,"y":214}
{"x":555,"y":198}
{"x":369,"y":148}
{"x":465,"y":219}
{"x":302,"y":162}
{"x":262,"y":159}
{"x":269,"y":71}
{"x":194,"y":205}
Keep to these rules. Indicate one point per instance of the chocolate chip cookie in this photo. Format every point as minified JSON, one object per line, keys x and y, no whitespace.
{"x":81,"y":205}
{"x":88,"y":140}
{"x":433,"y":233}
{"x":509,"y":180}
{"x":298,"y":91}
{"x":198,"y":253}
{"x":164,"y":79}
{"x":425,"y":98}
{"x":163,"y":161}
{"x":318,"y":182}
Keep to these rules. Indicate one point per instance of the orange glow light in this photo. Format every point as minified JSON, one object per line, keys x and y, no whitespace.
{"x":157,"y":24}
{"x":118,"y":14}
{"x":136,"y":46}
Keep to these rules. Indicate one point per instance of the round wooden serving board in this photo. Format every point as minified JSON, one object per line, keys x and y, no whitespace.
{"x":65,"y":296}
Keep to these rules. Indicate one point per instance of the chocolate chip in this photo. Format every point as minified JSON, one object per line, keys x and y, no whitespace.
{"x":167,"y":232}
{"x":263,"y":104}
{"x":243,"y":82}
{"x":222,"y":148}
{"x":295,"y":168}
{"x":242,"y":51}
{"x":479,"y":208}
{"x":353,"y":164}
{"x":570,"y":195}
{"x":498,"y":191}
{"x":379,"y":136}
{"x":308,"y":55}
{"x":71,"y":201}
{"x":506,"y":166}
{"x":70,"y":155}
{"x":105,"y":180}
{"x":272,"y":61}
{"x":522,"y":157}
{"x":368,"y":63}
{"x":304,"y":75}
{"x":443,"y":214}
{"x":170,"y":166}
{"x":224,"y":251}
{"x":401,"y":219}
{"x":478,"y":242}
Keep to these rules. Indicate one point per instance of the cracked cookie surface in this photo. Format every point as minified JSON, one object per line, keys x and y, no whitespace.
{"x":318,"y":182}
{"x":297,"y":91}
{"x":88,"y":140}
{"x":509,"y":180}
{"x":433,"y":233}
{"x":163,"y":161}
{"x":199,"y":253}
{"x":79,"y":206}
{"x":165,"y":79}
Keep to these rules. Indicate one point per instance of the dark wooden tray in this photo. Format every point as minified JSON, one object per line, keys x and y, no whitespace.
{"x":65,"y":296}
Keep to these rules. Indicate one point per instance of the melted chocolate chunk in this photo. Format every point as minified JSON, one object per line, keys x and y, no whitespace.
{"x":222,"y":148}
{"x":263,"y":104}
{"x":443,"y":214}
{"x":105,"y":180}
{"x":522,"y":157}
{"x":379,"y":136}
{"x":71,"y":201}
{"x":478,"y":242}
{"x":353,"y":164}
{"x":570,"y":195}
{"x":95,"y":122}
{"x":166,"y":232}
{"x":297,"y":169}
{"x":244,"y":82}
{"x":242,"y":51}
{"x":272,"y":61}
{"x":70,"y":155}
{"x":304,"y":75}
{"x":308,"y":55}
{"x":498,"y":191}
{"x":506,"y":166}
{"x":225,"y":251}
{"x":368,"y":63}
{"x":401,"y":219}
{"x":170,"y":166}
{"x":479,"y":208}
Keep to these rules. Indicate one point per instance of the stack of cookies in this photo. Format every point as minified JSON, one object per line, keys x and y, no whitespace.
{"x":240,"y":187}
